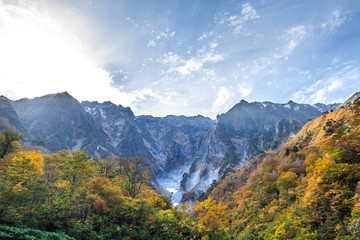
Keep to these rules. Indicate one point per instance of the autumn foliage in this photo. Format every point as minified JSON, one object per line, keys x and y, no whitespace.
{"x":46,"y":195}
{"x":310,"y":193}
{"x":309,"y":189}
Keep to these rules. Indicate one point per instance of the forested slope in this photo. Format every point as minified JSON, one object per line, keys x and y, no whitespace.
{"x":309,"y":189}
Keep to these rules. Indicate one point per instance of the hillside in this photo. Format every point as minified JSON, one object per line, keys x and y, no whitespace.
{"x":309,"y":189}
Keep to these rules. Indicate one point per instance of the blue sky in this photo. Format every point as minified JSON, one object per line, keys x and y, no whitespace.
{"x":184,"y":57}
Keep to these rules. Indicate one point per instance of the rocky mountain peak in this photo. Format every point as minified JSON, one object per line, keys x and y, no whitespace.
{"x":58,"y":121}
{"x":291,"y":102}
{"x":3,"y":98}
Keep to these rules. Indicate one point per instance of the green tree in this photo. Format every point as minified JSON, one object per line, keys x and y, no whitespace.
{"x":76,"y":169}
{"x":107,"y":167}
{"x":7,"y":141}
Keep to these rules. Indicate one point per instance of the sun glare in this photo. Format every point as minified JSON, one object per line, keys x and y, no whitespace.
{"x":38,"y":56}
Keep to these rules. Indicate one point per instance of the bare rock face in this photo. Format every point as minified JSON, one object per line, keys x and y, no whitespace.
{"x":245,"y":131}
{"x":351,"y":99}
{"x":326,"y":107}
{"x":9,"y":119}
{"x":58,"y":121}
{"x":120,"y":125}
{"x":185,"y":154}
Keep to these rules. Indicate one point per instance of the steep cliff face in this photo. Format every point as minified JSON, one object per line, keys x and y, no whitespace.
{"x":170,"y":144}
{"x":120,"y":124}
{"x":175,"y":141}
{"x":265,"y":125}
{"x":185,"y":154}
{"x":58,"y":121}
{"x":245,"y":131}
{"x":9,"y":119}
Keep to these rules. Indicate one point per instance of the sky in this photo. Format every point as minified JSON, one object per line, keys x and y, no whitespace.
{"x":181,"y":57}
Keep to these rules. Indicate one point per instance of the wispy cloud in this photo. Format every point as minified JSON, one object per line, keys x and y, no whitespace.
{"x":148,"y":101}
{"x":213,"y":44}
{"x":183,"y":67}
{"x":284,"y":47}
{"x":244,"y":89}
{"x":205,"y":35}
{"x":334,"y":21}
{"x":159,"y":36}
{"x":292,"y":38}
{"x":338,"y":81}
{"x":222,"y":99}
{"x":236,"y":21}
{"x":151,"y":43}
{"x":132,"y":21}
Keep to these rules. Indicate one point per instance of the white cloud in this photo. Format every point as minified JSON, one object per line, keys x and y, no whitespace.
{"x":170,"y":58}
{"x":195,"y":64}
{"x":335,"y":84}
{"x":205,"y":35}
{"x":177,"y":65}
{"x":324,"y":90}
{"x":222,"y":100}
{"x":165,"y":35}
{"x":131,"y":20}
{"x":237,"y":21}
{"x":244,"y":89}
{"x":172,"y":34}
{"x":151,"y":43}
{"x":189,"y":66}
{"x":213,"y":44}
{"x":294,"y":36}
{"x":162,"y":103}
{"x":320,"y":95}
{"x":248,"y":12}
{"x":335,"y":20}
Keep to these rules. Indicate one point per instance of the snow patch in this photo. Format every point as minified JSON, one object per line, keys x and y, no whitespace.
{"x":102,"y":113}
{"x":78,"y":144}
{"x":170,"y":183}
{"x":172,"y":190}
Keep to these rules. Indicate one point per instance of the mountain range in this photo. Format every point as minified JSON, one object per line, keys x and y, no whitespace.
{"x":185,"y":154}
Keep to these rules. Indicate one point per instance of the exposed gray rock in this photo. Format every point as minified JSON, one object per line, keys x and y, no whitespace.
{"x":351,"y":99}
{"x":326,"y":107}
{"x":9,"y":119}
{"x":58,"y":121}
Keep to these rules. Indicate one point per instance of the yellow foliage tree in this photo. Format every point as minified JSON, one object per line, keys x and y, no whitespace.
{"x":26,"y":167}
{"x":211,"y":217}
